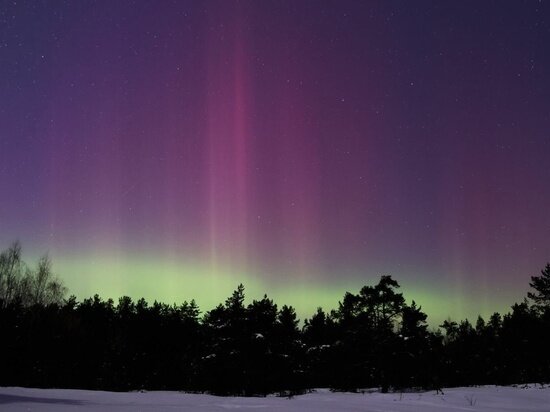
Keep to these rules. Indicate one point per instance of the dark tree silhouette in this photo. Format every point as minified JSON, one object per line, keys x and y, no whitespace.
{"x":374,"y":338}
{"x":541,"y":285}
{"x":11,"y":269}
{"x":21,"y":285}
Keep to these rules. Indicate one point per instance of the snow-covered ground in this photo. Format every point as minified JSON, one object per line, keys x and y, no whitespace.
{"x":488,"y":398}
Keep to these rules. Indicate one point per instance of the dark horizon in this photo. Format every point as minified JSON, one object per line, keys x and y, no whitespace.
{"x":374,"y":339}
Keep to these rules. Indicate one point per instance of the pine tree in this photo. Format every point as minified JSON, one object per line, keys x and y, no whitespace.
{"x":541,"y":285}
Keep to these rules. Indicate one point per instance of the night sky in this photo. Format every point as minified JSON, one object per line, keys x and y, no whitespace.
{"x":173,"y":150}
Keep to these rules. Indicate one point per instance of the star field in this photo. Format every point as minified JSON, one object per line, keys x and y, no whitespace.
{"x":176,"y":149}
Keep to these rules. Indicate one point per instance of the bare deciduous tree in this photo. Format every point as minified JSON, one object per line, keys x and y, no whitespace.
{"x":18,"y":283}
{"x":11,"y":267}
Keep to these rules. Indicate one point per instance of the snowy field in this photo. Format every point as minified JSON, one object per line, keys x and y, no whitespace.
{"x":488,"y":398}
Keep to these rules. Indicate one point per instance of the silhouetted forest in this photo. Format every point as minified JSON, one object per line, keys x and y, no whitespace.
{"x":373,"y":339}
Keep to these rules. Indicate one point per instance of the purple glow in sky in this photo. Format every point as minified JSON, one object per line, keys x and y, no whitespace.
{"x":170,"y":149}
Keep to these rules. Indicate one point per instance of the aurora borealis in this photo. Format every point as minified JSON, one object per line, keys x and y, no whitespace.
{"x":173,"y":150}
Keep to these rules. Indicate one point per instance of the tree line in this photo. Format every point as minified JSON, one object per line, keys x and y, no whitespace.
{"x":373,"y":339}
